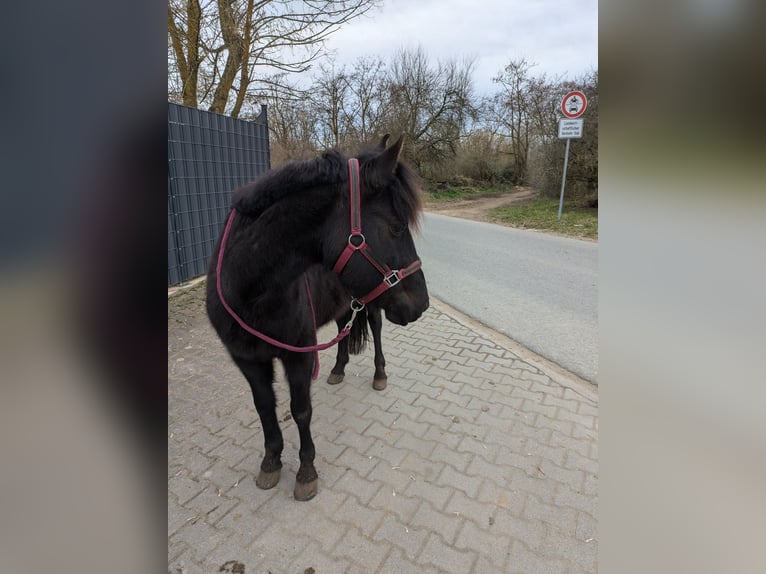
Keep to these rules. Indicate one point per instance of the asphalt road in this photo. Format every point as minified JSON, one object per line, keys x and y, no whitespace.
{"x":538,"y":289}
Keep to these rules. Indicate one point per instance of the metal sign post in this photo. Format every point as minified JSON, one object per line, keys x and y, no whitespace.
{"x":564,"y":178}
{"x":572,"y":106}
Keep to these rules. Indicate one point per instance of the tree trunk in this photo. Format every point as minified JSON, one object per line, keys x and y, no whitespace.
{"x":188,"y":64}
{"x":244,"y":76}
{"x":234,"y":46}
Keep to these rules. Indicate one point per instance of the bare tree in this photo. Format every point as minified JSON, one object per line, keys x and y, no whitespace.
{"x":293,"y":126}
{"x":329,"y":96}
{"x":429,"y":104}
{"x":366,"y":100}
{"x":217,"y":49}
{"x":512,"y":110}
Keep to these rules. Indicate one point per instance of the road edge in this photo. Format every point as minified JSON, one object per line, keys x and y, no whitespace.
{"x":556,"y":372}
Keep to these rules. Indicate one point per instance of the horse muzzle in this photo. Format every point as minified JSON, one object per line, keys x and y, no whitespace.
{"x":404,"y":314}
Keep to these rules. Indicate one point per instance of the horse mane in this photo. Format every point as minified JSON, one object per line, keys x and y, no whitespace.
{"x":327,"y":169}
{"x":287,"y":179}
{"x":408,"y":204}
{"x":406,"y":195}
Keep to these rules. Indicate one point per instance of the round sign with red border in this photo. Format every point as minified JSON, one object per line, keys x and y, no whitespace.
{"x":573,"y":105}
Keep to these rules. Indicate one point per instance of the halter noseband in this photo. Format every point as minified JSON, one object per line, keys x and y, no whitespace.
{"x":358,"y":243}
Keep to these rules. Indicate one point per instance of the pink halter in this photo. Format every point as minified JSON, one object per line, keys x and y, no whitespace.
{"x":390,"y":277}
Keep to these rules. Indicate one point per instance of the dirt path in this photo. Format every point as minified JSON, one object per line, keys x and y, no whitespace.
{"x":478,"y":208}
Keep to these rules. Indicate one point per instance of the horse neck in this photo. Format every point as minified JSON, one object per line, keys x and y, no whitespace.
{"x":287,"y":239}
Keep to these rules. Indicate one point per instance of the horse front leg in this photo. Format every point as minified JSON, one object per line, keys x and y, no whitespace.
{"x":338,"y":372}
{"x":298,"y":370}
{"x":380,"y":379}
{"x":260,"y":376}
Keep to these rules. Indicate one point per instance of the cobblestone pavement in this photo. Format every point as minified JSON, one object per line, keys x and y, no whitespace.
{"x":472,"y":460}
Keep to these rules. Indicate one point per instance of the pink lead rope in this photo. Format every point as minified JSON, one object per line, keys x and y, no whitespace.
{"x":313,"y":348}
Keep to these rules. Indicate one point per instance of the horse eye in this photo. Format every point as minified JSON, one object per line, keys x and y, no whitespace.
{"x":397,"y":230}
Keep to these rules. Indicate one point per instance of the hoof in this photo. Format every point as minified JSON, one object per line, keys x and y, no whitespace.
{"x":305,"y":490}
{"x":379,"y":384}
{"x":334,"y":379}
{"x":267,"y":480}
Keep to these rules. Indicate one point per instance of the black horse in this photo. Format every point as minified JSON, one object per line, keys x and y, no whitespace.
{"x":270,"y":275}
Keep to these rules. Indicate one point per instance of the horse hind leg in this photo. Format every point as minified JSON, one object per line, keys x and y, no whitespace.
{"x":380,"y":379}
{"x":298,"y":371}
{"x":260,"y":376}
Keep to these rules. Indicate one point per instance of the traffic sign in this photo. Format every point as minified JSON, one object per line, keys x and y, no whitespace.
{"x":570,"y":128}
{"x":573,"y":105}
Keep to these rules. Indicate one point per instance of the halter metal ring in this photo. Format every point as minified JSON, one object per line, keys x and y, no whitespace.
{"x":356,"y":246}
{"x":356,"y":305}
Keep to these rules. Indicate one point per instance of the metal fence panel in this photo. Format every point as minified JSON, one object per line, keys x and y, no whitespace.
{"x":209,"y":156}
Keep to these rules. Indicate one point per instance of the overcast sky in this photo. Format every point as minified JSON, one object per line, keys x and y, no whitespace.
{"x":561,"y":37}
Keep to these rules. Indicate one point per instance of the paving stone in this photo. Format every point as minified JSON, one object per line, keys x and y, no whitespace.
{"x":398,"y":563}
{"x":570,"y":443}
{"x":183,"y":488}
{"x":411,"y":443}
{"x":587,"y":528}
{"x":522,"y":559}
{"x":446,"y":558}
{"x":590,"y":485}
{"x":459,"y":481}
{"x":469,"y":508}
{"x":351,"y":483}
{"x":567,"y":547}
{"x":436,"y":495}
{"x":200,"y":536}
{"x":407,"y":537}
{"x":446,"y":524}
{"x":389,"y":501}
{"x":365,"y":552}
{"x":448,"y":455}
{"x":442,"y":438}
{"x":563,"y":519}
{"x":415,"y":428}
{"x":421,"y":468}
{"x":388,"y":434}
{"x":314,"y":559}
{"x":278,"y":547}
{"x":574,"y":478}
{"x":488,"y":545}
{"x":569,"y":498}
{"x":383,"y":452}
{"x":501,"y":499}
{"x":365,"y":519}
{"x":210,"y":505}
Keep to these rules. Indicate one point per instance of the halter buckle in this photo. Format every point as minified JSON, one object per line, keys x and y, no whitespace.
{"x":393,"y":278}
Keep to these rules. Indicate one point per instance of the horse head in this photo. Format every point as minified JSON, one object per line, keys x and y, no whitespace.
{"x":378,"y":260}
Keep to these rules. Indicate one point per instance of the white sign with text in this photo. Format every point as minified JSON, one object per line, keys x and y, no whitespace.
{"x":570,"y":128}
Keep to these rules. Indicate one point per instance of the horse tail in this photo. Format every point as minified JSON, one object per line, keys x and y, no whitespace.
{"x":357,"y":338}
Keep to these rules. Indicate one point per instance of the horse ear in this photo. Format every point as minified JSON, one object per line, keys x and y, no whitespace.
{"x":384,"y":165}
{"x":384,"y":141}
